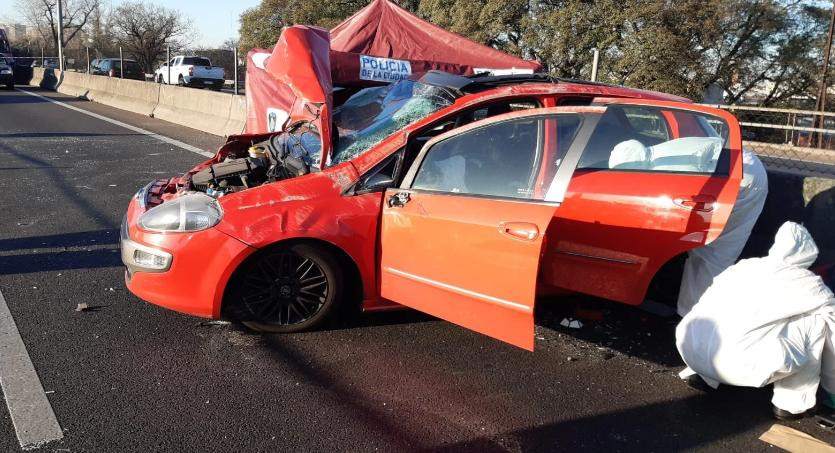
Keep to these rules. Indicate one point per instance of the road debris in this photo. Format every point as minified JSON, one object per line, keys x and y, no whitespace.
{"x":212,"y":323}
{"x":792,"y":440}
{"x":82,"y":307}
{"x":571,"y":323}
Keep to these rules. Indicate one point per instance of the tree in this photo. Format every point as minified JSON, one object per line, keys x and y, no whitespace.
{"x":496,"y":24}
{"x":766,"y":49}
{"x":43,"y":15}
{"x":145,"y":30}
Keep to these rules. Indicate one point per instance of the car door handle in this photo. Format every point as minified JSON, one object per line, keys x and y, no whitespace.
{"x":399,"y":199}
{"x":519,"y":230}
{"x":700,"y":203}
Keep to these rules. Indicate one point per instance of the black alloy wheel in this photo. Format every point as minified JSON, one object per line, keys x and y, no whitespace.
{"x":288,"y":289}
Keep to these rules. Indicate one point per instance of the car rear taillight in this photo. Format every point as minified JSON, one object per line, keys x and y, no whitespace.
{"x":111,"y":73}
{"x":191,"y":71}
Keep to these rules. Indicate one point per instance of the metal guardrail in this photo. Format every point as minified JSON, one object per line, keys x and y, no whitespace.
{"x":794,"y":140}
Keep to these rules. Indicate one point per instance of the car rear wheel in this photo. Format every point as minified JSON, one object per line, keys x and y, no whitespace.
{"x":180,"y":81}
{"x":288,"y":289}
{"x":159,"y":78}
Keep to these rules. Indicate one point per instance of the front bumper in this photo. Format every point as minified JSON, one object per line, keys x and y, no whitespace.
{"x":196,"y":274}
{"x":6,"y":78}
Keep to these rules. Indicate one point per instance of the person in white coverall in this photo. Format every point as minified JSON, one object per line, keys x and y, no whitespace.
{"x":705,"y":263}
{"x":766,"y":320}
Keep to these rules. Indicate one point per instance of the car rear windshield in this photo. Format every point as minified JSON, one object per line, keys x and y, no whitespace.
{"x":196,"y":61}
{"x":373,"y":114}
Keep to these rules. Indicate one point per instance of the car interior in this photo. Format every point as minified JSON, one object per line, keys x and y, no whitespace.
{"x":393,"y":168}
{"x":639,"y":139}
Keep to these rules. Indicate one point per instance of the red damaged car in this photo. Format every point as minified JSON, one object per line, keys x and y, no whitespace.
{"x":462,"y":197}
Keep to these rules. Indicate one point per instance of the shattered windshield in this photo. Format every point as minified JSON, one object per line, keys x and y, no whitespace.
{"x":373,"y":114}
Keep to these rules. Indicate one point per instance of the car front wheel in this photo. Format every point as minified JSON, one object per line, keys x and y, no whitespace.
{"x":287,"y":289}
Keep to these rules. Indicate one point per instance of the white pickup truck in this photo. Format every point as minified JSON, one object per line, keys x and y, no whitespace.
{"x":190,"y":71}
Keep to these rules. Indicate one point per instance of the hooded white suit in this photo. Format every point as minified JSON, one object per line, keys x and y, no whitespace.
{"x":705,"y":263}
{"x":765,"y":320}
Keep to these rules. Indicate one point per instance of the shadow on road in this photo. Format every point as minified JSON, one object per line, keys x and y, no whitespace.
{"x":676,"y":425}
{"x":58,"y":181}
{"x":16,"y":97}
{"x":85,"y":250}
{"x":623,"y":328}
{"x":692,"y":421}
{"x":62,"y":135}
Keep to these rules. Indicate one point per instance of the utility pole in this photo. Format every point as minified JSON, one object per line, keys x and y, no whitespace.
{"x":60,"y":37}
{"x":594,"y":62}
{"x":121,"y":64}
{"x":235,"y":57}
{"x":88,"y":60}
{"x":821,"y":101}
{"x":168,"y":64}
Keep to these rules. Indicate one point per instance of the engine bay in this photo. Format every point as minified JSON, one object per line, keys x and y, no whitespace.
{"x":279,"y":157}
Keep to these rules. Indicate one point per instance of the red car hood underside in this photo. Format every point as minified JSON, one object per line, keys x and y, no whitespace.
{"x":296,"y":78}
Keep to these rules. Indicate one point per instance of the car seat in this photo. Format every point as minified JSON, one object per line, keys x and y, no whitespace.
{"x":629,"y":155}
{"x":687,"y":154}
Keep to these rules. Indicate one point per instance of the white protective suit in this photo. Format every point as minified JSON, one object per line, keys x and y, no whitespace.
{"x":764,"y":320}
{"x":705,"y":263}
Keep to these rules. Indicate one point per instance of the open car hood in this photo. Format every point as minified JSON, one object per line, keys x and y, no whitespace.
{"x":300,"y":64}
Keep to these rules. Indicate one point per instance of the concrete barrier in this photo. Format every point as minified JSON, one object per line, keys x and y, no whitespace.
{"x":237,"y":116}
{"x":803,"y":199}
{"x":132,"y":95}
{"x":97,"y":87}
{"x":72,"y":83}
{"x":37,"y":77}
{"x":207,"y":111}
{"x":49,"y":80}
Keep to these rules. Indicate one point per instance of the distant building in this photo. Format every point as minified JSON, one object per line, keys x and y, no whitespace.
{"x":15,"y":32}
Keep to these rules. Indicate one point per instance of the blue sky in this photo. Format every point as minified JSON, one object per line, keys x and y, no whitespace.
{"x":215,"y":20}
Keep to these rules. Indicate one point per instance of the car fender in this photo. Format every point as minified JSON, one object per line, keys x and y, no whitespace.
{"x":309,"y":207}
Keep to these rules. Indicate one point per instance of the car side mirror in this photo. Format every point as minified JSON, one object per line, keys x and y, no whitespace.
{"x":377,"y":182}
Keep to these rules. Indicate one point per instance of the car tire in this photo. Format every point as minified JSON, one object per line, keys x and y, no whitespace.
{"x":10,"y":86}
{"x":180,"y":81}
{"x":287,"y":289}
{"x":159,"y":79}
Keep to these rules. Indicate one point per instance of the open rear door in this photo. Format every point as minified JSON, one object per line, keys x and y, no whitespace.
{"x":462,"y":238}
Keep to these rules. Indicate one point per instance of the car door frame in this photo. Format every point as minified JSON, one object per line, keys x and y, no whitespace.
{"x":629,"y":275}
{"x":518,"y":314}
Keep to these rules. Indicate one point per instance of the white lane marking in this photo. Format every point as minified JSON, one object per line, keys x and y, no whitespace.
{"x":32,"y":416}
{"x":159,"y":137}
{"x":463,"y":291}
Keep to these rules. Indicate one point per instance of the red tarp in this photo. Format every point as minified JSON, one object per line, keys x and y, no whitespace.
{"x":277,"y":91}
{"x":380,"y":43}
{"x":383,"y":29}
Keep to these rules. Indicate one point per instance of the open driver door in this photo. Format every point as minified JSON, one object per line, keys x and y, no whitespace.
{"x":462,"y":237}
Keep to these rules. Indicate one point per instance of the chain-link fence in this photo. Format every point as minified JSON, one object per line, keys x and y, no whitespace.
{"x":799,"y":141}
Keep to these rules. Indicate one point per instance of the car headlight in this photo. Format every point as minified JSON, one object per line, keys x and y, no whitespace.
{"x":192,"y":212}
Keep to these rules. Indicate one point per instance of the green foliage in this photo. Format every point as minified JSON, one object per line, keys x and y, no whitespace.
{"x":261,"y":25}
{"x":768,"y":49}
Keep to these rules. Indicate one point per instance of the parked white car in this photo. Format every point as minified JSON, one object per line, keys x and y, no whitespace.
{"x":191,"y":71}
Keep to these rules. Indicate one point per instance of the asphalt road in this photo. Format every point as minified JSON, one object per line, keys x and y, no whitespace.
{"x":129,"y":376}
